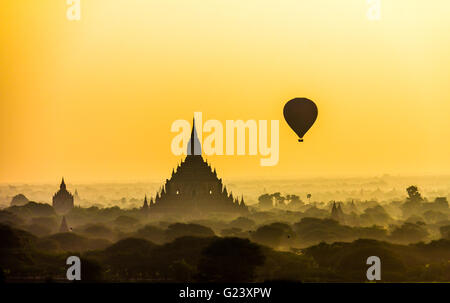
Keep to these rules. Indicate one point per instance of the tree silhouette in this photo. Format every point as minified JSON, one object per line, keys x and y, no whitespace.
{"x":409,"y":232}
{"x":414,"y":194}
{"x":445,"y":232}
{"x":230,"y":260}
{"x":91,"y":271}
{"x":178,"y":230}
{"x":265,"y":201}
{"x":274,"y":234}
{"x":279,"y":199}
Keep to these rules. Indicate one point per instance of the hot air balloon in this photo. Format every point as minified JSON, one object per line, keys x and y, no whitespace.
{"x":300,"y":114}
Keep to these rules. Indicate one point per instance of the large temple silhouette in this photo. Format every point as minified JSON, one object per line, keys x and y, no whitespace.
{"x":194,"y":188}
{"x":63,"y":199}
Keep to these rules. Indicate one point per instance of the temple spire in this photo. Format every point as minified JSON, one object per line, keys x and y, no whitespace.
{"x":145,"y":206}
{"x":193,"y":137}
{"x":63,"y":184}
{"x":194,"y":147}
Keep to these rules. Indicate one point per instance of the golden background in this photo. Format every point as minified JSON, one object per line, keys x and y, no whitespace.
{"x":94,"y":99}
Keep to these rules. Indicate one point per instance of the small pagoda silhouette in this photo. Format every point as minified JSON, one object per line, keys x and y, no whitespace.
{"x":336,"y":212}
{"x":63,"y":228}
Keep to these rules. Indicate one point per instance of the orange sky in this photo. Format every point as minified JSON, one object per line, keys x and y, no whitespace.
{"x":94,"y":99}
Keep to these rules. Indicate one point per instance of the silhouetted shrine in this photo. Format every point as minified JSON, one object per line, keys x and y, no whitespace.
{"x":194,"y":188}
{"x":63,"y":200}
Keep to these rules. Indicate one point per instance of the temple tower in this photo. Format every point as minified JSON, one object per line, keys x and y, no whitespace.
{"x":194,"y":187}
{"x":63,"y":200}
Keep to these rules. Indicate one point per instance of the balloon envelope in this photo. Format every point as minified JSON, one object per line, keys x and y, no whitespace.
{"x":300,"y":114}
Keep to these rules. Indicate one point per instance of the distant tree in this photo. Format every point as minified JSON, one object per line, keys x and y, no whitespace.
{"x":414,"y":194}
{"x":19,"y":200}
{"x":33,"y":209}
{"x":273,"y":235}
{"x":16,"y":247}
{"x":97,"y":230}
{"x":265,"y":201}
{"x":315,"y":230}
{"x":445,"y":232}
{"x":436,"y":271}
{"x":48,"y":245}
{"x":230,"y":260}
{"x":9,"y":218}
{"x":415,"y":219}
{"x":375,"y":215}
{"x":433,"y":216}
{"x":184,"y":249}
{"x":316,"y":212}
{"x":38,"y":230}
{"x":12,"y":238}
{"x":308,"y":196}
{"x":234,"y":232}
{"x":73,"y":242}
{"x":287,"y":266}
{"x":294,"y":201}
{"x":152,"y":233}
{"x":91,"y":271}
{"x":243,"y":223}
{"x":182,"y":271}
{"x":409,"y":233}
{"x":373,"y":232}
{"x":413,"y":204}
{"x":278,"y":199}
{"x":43,"y":225}
{"x":178,"y":230}
{"x":125,"y":221}
{"x":129,"y":258}
{"x":441,"y":203}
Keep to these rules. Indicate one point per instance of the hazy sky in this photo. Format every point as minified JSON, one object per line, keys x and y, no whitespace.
{"x":94,"y":99}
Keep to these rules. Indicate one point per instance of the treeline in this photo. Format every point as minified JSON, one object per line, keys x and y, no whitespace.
{"x":309,"y":231}
{"x":216,"y":259}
